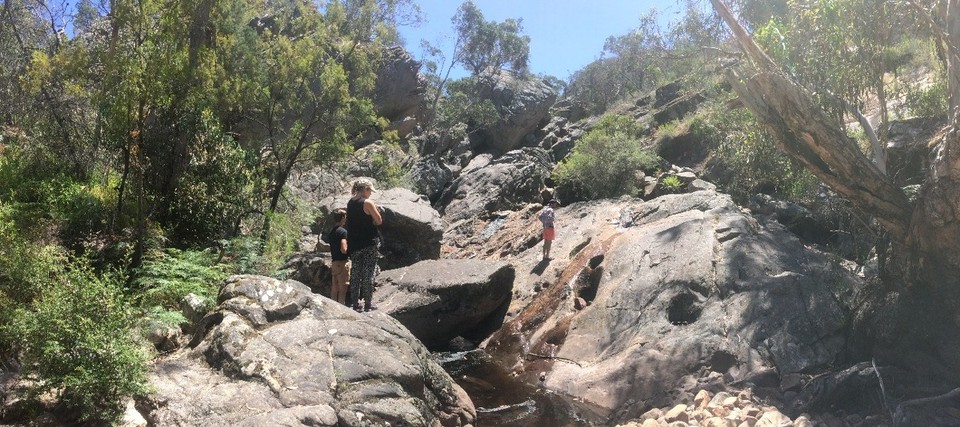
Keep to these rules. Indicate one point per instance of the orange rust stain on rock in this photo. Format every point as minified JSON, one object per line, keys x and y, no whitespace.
{"x":510,"y":339}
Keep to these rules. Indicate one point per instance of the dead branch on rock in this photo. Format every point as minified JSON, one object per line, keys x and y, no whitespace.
{"x":883,"y":389}
{"x":562,"y":359}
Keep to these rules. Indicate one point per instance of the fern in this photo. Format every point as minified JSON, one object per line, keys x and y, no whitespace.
{"x":170,"y":275}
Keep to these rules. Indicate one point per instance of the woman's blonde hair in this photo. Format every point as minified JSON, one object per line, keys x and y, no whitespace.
{"x":361,"y":184}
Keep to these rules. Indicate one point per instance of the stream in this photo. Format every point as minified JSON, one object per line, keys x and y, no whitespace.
{"x":504,"y":400}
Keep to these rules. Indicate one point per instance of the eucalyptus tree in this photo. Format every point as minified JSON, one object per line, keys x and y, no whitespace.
{"x":757,"y":13}
{"x":912,"y":309}
{"x":38,"y":97}
{"x":481,"y":47}
{"x":648,"y":56}
{"x":490,"y":45}
{"x":369,"y":21}
{"x":301,"y":89}
{"x":853,"y":41}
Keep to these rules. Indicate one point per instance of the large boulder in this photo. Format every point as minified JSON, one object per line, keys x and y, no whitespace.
{"x":646,"y":301}
{"x":524,"y":107}
{"x":411,"y":229}
{"x":400,"y":87}
{"x":312,"y":268}
{"x":430,"y":176}
{"x":490,"y":184}
{"x":316,"y":184}
{"x":441,"y":300}
{"x":275,"y":354}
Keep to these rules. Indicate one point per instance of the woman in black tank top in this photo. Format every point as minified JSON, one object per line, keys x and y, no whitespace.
{"x":363,"y":220}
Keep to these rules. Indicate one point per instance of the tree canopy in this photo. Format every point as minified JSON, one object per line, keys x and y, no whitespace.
{"x":489,"y":45}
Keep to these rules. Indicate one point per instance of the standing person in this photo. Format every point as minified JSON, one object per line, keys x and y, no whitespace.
{"x":549,"y":233}
{"x":363,"y":239}
{"x":340,"y":265}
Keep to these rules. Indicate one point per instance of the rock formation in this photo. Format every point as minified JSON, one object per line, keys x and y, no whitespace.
{"x":523,"y":105}
{"x":273,"y":353}
{"x":441,"y":300}
{"x":676,"y":288}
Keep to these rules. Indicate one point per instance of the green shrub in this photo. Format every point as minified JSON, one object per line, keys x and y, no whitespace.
{"x":389,"y":164}
{"x":605,"y":162}
{"x":167,"y":276}
{"x":464,"y":103}
{"x":671,"y":184}
{"x":157,"y":317}
{"x":75,"y":341}
{"x":24,"y":269}
{"x":285,"y":234}
{"x":24,"y":177}
{"x":256,"y":255}
{"x":214,"y":190}
{"x":243,"y":254}
{"x":746,"y":151}
{"x":79,"y":209}
{"x":930,"y":101}
{"x":671,"y":129}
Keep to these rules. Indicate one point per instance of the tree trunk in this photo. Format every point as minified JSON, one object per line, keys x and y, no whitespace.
{"x":913,"y":311}
{"x":806,"y":133}
{"x":935,"y":227}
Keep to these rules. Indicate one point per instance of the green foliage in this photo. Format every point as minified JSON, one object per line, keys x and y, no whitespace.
{"x":159,"y":317}
{"x":647,"y":57}
{"x":23,"y":174}
{"x":38,"y":195}
{"x":930,"y":101}
{"x":165,"y":124}
{"x":74,"y":340}
{"x":216,"y":187}
{"x":671,"y":129}
{"x":389,"y":164}
{"x":464,"y":104}
{"x":757,"y":13}
{"x":856,"y":50}
{"x":924,"y":95}
{"x":371,"y":21}
{"x":605,"y":162}
{"x":748,"y":153}
{"x":266,"y":255}
{"x":165,"y":277}
{"x":489,"y":45}
{"x":671,"y":184}
{"x":482,"y":47}
{"x":284,"y":237}
{"x":243,"y":254}
{"x":304,"y":89}
{"x":81,"y":210}
{"x":24,"y":269}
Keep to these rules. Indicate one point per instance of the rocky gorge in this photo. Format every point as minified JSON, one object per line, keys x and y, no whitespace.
{"x":657,"y":309}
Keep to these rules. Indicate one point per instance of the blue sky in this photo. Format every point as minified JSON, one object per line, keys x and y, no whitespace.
{"x":565,"y":35}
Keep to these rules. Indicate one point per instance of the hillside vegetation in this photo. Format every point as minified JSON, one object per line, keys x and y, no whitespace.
{"x":147,"y":147}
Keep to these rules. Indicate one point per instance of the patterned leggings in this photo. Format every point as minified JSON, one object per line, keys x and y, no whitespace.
{"x":362,"y":273}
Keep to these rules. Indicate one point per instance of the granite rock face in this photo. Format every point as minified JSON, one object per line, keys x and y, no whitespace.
{"x":444,"y":299}
{"x":273,"y":353}
{"x":680,"y":290}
